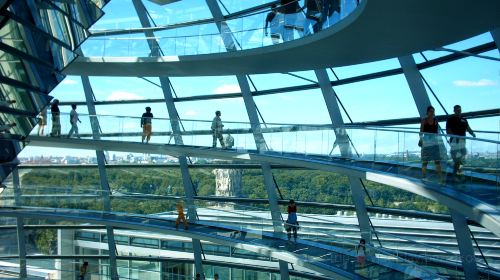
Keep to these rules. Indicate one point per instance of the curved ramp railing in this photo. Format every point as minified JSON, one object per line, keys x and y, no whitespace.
{"x":328,"y":260}
{"x":389,"y":150}
{"x":290,"y":22}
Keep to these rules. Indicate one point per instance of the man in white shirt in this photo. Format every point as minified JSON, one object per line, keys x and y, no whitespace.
{"x":73,"y":119}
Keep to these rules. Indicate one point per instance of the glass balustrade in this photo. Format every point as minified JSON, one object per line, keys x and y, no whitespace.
{"x":364,"y":149}
{"x":286,"y":23}
{"x":392,"y":151}
{"x":377,"y":266}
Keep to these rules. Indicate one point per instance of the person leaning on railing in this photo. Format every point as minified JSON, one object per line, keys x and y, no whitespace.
{"x":56,"y":119}
{"x":458,"y":125}
{"x":146,"y":125}
{"x":42,"y":121}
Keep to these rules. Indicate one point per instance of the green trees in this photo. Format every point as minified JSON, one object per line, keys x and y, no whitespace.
{"x":298,"y":184}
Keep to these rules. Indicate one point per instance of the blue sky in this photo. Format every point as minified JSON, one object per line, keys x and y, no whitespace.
{"x":472,"y":82}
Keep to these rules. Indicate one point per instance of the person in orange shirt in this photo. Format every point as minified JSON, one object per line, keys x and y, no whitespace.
{"x":181,"y":216}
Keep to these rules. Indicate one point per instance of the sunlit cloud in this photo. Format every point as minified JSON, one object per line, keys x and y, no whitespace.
{"x":480,"y":83}
{"x":69,"y":82}
{"x":123,"y":95}
{"x":130,"y":125}
{"x":227,"y":88}
{"x":191,"y":113}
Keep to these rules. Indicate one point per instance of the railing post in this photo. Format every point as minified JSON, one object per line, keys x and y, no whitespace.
{"x":21,"y":237}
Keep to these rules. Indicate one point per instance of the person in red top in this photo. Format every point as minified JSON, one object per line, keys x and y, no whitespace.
{"x":181,"y":216}
{"x":291,"y":222}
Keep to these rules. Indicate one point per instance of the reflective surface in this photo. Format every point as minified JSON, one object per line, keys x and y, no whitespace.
{"x":290,"y":22}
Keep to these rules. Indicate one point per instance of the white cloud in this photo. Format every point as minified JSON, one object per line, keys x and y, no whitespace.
{"x":191,"y":113}
{"x":69,"y":82}
{"x":480,"y":83}
{"x":231,"y":88}
{"x":130,"y":125}
{"x":123,"y":95}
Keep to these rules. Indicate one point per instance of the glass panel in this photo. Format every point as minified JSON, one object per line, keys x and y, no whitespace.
{"x":13,"y":68}
{"x":244,"y":32}
{"x":17,"y":126}
{"x":24,"y":100}
{"x":375,"y":94}
{"x":468,"y":82}
{"x":8,"y":246}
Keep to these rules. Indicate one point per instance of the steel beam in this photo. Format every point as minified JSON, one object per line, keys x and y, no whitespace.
{"x":415,"y":84}
{"x":465,"y":247}
{"x":253,"y":116}
{"x":496,"y":37}
{"x":358,"y":196}
{"x":103,"y":176}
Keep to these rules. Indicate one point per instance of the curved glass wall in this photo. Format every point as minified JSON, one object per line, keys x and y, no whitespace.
{"x":254,"y":28}
{"x":375,"y":102}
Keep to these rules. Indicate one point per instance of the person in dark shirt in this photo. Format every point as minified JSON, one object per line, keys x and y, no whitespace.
{"x":146,"y":125}
{"x":290,"y":10}
{"x":291,"y":222}
{"x":289,"y":6}
{"x":56,"y":119}
{"x":429,"y":143}
{"x":272,"y":21}
{"x":329,"y":7}
{"x":458,"y":125}
{"x":313,"y":15}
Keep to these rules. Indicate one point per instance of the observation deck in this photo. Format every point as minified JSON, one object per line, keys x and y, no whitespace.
{"x":371,"y":31}
{"x":474,"y":194}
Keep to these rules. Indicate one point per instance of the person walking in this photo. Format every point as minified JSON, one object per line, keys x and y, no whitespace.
{"x":291,"y":220}
{"x":458,"y":125}
{"x":83,"y":271}
{"x":74,"y":120}
{"x":361,"y":252}
{"x":181,"y":216}
{"x":56,"y":119}
{"x":273,"y":22}
{"x":42,"y":122}
{"x":429,"y":143}
{"x":313,"y":14}
{"x":217,"y":130}
{"x":146,"y":124}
